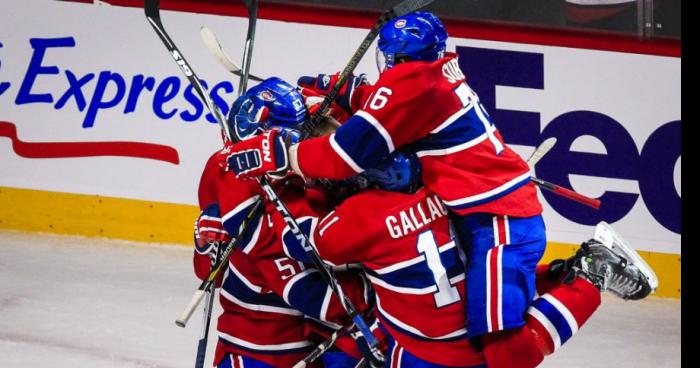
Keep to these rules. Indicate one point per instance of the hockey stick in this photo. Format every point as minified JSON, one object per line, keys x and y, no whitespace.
{"x":361,"y":364}
{"x":540,"y":151}
{"x":325,"y":271}
{"x":402,"y":8}
{"x":210,"y":280}
{"x":152,"y":10}
{"x":536,"y":156}
{"x":206,"y":321}
{"x":153,"y":15}
{"x":214,"y":47}
{"x":566,"y":193}
{"x":252,"y":6}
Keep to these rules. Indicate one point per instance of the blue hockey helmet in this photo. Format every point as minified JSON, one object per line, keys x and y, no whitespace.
{"x":414,"y":36}
{"x":273,"y":103}
{"x":400,"y":172}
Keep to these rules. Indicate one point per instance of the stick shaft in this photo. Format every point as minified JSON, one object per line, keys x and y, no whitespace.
{"x":152,"y":9}
{"x":400,"y":9}
{"x":252,"y":6}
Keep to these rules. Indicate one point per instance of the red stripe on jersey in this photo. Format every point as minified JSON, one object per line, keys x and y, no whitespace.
{"x":495,"y":273}
{"x":395,"y":353}
{"x":494,"y":289}
{"x":501,"y":230}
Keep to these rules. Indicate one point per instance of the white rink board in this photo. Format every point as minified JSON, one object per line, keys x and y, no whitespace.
{"x":641,"y":92}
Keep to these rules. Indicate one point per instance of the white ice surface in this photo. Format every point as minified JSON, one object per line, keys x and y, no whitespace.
{"x":94,"y":303}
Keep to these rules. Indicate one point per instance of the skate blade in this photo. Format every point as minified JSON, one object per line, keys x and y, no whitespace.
{"x":605,"y":234}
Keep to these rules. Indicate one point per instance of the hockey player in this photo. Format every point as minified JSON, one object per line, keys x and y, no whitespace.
{"x":421,"y":102}
{"x":266,"y":297}
{"x":418,"y":274}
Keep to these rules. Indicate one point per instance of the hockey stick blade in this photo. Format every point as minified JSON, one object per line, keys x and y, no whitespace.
{"x":541,"y":150}
{"x":214,"y":46}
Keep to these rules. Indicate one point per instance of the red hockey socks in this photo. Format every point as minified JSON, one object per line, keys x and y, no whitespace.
{"x":552,"y":319}
{"x":558,"y":314}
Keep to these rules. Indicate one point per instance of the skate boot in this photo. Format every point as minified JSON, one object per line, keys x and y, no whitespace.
{"x":610,"y":264}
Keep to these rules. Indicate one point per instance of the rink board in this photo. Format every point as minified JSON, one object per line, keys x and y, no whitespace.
{"x":100,"y":136}
{"x":143,"y":221}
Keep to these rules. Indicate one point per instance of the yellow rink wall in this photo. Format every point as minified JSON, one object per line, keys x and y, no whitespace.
{"x":145,"y":221}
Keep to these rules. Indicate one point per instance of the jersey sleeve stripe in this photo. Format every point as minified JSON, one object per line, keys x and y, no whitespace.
{"x":259,"y":307}
{"x":233,"y":220}
{"x":554,"y":316}
{"x":490,"y":195}
{"x":308,"y":293}
{"x":547,"y":324}
{"x":291,"y":245}
{"x":380,"y":128}
{"x":348,"y":160}
{"x":326,"y":303}
{"x":244,"y":280}
{"x":452,"y":149}
{"x":243,"y":205}
{"x":362,"y":141}
{"x":295,"y":279}
{"x":240,"y":291}
{"x":253,"y":238}
{"x":565,"y":312}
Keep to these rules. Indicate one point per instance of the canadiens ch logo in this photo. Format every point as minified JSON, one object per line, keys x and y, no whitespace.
{"x":267,"y":96}
{"x":400,"y":23}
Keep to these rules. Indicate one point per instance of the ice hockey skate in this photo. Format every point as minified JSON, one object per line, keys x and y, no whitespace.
{"x":612,"y":265}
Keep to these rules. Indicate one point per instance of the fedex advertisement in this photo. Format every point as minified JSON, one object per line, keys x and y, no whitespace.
{"x":92,"y":103}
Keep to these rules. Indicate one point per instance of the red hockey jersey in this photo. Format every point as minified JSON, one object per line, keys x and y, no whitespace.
{"x":268,"y":298}
{"x":428,"y":107}
{"x":415,"y":267}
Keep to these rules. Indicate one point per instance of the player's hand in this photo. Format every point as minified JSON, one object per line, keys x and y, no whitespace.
{"x":323,"y":84}
{"x":313,"y":100}
{"x":209,"y":232}
{"x":257,"y":156}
